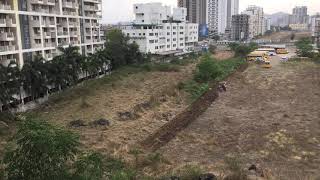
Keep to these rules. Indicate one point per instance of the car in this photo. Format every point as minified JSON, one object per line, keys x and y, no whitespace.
{"x":285,"y":58}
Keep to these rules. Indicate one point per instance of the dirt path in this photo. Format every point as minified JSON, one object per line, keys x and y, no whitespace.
{"x":269,"y":117}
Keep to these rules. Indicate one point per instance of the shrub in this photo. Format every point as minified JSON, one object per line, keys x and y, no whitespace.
{"x":189,"y":172}
{"x":42,"y":151}
{"x":208,"y":69}
{"x":90,"y":166}
{"x":196,"y":89}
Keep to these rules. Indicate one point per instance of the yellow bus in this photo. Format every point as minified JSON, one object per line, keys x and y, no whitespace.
{"x":271,"y":51}
{"x":282,"y":51}
{"x":258,"y":55}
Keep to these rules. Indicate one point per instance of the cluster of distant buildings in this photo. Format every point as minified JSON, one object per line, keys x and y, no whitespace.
{"x":158,"y":29}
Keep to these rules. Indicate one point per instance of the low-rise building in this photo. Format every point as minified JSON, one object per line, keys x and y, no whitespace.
{"x":315,"y":28}
{"x":157,"y":30}
{"x":299,"y":27}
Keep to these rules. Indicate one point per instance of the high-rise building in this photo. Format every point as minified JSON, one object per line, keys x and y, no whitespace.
{"x":232,"y":9}
{"x":242,"y":27}
{"x":257,"y":16}
{"x":299,"y":15}
{"x":216,"y":14}
{"x":158,"y":31}
{"x":196,"y":10}
{"x":315,"y":28}
{"x":37,"y":27}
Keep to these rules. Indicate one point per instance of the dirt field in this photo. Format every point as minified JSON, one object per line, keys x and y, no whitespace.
{"x":267,"y":117}
{"x":222,"y":55}
{"x":286,"y":35}
{"x":148,"y":100}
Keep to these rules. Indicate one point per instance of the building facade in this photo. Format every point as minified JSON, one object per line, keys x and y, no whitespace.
{"x":257,"y":17}
{"x":156,"y":30}
{"x":197,"y":11}
{"x":315,"y":28}
{"x":299,"y":15}
{"x":37,"y":27}
{"x":241,"y":28}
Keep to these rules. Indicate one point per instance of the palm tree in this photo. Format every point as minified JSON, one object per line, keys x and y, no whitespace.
{"x":9,"y":83}
{"x":34,"y":77}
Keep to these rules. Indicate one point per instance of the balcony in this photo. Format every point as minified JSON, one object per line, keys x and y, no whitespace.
{"x":62,"y":33}
{"x":37,"y":1}
{"x":74,"y":42}
{"x":73,"y":24}
{"x":8,"y":22}
{"x":49,"y":44}
{"x":48,"y":56}
{"x":5,"y":7}
{"x":6,"y":36}
{"x":35,"y":23}
{"x":49,"y":2}
{"x":74,"y":33}
{"x":91,"y":8}
{"x":93,"y":1}
{"x":70,"y":13}
{"x":70,"y":5}
{"x":49,"y":35}
{"x":7,"y":48}
{"x":48,"y":23}
{"x":62,"y":43}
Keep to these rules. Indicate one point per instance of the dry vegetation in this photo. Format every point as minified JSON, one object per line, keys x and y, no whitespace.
{"x":269,"y":118}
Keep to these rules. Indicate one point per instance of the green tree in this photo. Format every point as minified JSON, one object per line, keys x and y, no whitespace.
{"x":208,"y":69}
{"x":42,"y":152}
{"x":116,"y":47}
{"x":34,"y":77}
{"x":242,"y":50}
{"x":304,"y":47}
{"x":9,"y":83}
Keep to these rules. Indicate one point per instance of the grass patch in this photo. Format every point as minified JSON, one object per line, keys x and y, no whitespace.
{"x":209,"y":70}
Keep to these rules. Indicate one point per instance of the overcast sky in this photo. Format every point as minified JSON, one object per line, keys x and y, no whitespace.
{"x":121,"y":10}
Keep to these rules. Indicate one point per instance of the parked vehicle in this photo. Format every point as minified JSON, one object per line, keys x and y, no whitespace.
{"x":267,"y":64}
{"x":282,"y":51}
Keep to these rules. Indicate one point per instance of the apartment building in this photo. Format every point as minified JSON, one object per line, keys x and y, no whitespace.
{"x":37,"y":27}
{"x":257,"y":16}
{"x":242,"y":27}
{"x":299,"y":15}
{"x":196,"y":10}
{"x":315,"y":28}
{"x":157,"y":30}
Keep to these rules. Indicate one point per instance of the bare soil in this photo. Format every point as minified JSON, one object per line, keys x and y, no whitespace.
{"x":267,"y":117}
{"x":222,"y":55}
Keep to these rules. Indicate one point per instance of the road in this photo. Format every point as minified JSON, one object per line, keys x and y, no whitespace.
{"x":268,"y":117}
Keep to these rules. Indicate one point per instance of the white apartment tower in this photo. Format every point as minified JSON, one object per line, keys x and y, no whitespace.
{"x":220,"y":13}
{"x":157,"y":30}
{"x":38,"y":27}
{"x":257,"y":17}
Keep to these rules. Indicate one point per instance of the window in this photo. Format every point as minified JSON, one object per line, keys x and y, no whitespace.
{"x":151,"y":41}
{"x":174,"y":33}
{"x":139,"y":34}
{"x":168,"y":27}
{"x":150,"y":34}
{"x":181,"y":32}
{"x":156,"y":34}
{"x":168,"y":40}
{"x":128,"y":34}
{"x":156,"y":47}
{"x":181,"y":44}
{"x":174,"y":39}
{"x":174,"y":27}
{"x":142,"y":20}
{"x":156,"y":41}
{"x":174,"y":45}
{"x":144,"y":34}
{"x":168,"y":33}
{"x":168,"y":46}
{"x":181,"y":39}
{"x":181,"y":27}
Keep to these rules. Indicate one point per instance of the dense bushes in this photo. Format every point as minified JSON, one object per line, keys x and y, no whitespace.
{"x":242,"y":50}
{"x":207,"y":70}
{"x":304,"y":48}
{"x":44,"y":151}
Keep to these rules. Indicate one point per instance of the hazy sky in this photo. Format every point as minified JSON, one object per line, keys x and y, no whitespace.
{"x":121,"y":10}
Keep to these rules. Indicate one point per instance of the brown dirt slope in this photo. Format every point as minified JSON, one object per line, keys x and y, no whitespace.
{"x":269,"y":117}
